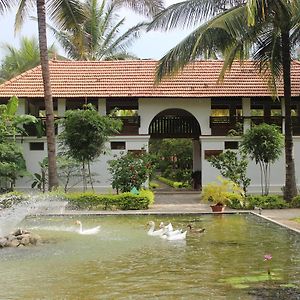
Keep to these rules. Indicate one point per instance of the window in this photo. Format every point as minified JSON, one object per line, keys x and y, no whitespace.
{"x":37,"y":146}
{"x":209,"y":153}
{"x":231,"y":145}
{"x":118,"y":145}
{"x":220,"y":112}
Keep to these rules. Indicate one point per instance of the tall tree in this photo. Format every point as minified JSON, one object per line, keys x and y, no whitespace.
{"x":99,"y":36}
{"x":65,"y":13}
{"x":267,"y":29}
{"x":19,"y":60}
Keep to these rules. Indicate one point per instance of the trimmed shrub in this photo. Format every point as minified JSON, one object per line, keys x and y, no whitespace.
{"x":266,"y":202}
{"x":174,"y":184}
{"x":125,"y":201}
{"x":295,"y":203}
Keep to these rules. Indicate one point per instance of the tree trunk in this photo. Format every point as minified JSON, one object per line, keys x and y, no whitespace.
{"x":290,"y":189}
{"x":50,"y":132}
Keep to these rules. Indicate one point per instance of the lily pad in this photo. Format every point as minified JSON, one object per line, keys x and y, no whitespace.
{"x":243,"y":281}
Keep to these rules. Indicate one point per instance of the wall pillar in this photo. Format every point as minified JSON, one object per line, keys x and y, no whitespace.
{"x":61,"y":109}
{"x":246,"y":106}
{"x":196,"y":164}
{"x":21,"y":107}
{"x":283,"y":114}
{"x":102,"y":106}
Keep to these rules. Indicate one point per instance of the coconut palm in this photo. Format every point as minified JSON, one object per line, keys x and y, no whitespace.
{"x":65,"y":13}
{"x":267,"y":29}
{"x":19,"y":60}
{"x":99,"y":36}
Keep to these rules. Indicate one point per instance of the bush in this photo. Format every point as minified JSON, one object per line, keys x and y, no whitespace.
{"x":9,"y":199}
{"x":174,"y":184}
{"x":295,"y":203}
{"x":235,"y":201}
{"x":125,"y":201}
{"x":265,"y":202}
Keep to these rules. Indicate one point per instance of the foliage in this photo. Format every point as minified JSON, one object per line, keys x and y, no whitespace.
{"x":174,"y":153}
{"x":124,"y":201}
{"x":99,"y":37}
{"x":130,"y":170}
{"x":221,"y":193}
{"x":174,"y":184}
{"x":9,"y":199}
{"x":265,"y":202}
{"x":232,"y":167}
{"x":264,"y":145}
{"x":10,"y":122}
{"x":295,"y":203}
{"x":17,"y":61}
{"x":68,"y":171}
{"x":85,"y":134}
{"x":153,"y":185}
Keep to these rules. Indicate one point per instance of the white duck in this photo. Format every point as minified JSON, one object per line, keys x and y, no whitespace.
{"x":87,"y":231}
{"x":167,"y":228}
{"x":176,"y":237}
{"x":154,"y":232}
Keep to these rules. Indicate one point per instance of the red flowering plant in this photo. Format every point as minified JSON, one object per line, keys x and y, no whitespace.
{"x":131,"y":171}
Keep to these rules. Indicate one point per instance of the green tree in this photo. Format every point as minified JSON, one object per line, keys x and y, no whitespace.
{"x":66,"y":13}
{"x":99,"y":36}
{"x":130,"y":171}
{"x":84,"y":136}
{"x":12,"y":163}
{"x":264,"y":144}
{"x":19,"y":60}
{"x":268,"y":29}
{"x":233,"y":167}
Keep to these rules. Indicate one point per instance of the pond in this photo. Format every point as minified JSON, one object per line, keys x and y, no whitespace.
{"x":122,"y":262}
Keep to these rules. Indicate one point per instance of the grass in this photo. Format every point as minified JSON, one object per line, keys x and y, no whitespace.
{"x":296,"y":220}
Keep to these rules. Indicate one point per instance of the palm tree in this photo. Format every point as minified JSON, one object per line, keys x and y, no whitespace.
{"x":99,"y":37}
{"x":19,"y":60}
{"x":66,"y":13}
{"x":265,"y":28}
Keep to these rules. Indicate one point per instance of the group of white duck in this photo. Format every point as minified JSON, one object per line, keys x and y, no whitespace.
{"x":167,"y":232}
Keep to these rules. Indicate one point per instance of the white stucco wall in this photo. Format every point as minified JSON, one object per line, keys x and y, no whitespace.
{"x":199,"y":108}
{"x":277,"y":177}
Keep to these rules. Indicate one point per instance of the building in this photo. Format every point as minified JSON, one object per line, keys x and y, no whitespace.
{"x":194,"y":104}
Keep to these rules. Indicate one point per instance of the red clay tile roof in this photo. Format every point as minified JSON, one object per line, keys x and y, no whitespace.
{"x":136,"y":79}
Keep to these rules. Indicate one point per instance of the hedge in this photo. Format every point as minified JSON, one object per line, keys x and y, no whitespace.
{"x":174,"y":184}
{"x":125,"y":201}
{"x":264,"y":202}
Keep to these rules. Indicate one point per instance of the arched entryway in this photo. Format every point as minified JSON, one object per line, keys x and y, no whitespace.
{"x":179,"y":123}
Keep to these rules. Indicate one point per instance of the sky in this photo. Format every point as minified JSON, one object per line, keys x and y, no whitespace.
{"x":153,"y":44}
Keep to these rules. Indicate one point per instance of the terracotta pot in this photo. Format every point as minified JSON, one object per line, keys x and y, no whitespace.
{"x":217,"y":208}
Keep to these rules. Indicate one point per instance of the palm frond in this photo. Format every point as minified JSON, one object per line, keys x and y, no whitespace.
{"x":147,"y":8}
{"x":66,"y":14}
{"x":186,"y":14}
{"x":23,"y":9}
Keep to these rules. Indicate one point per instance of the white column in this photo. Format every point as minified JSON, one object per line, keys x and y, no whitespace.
{"x":102,"y":106}
{"x":196,"y":155}
{"x":21,"y":107}
{"x":283,"y":114}
{"x":246,"y":106}
{"x":61,"y":109}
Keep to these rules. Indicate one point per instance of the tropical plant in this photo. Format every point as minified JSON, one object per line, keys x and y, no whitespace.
{"x":219,"y":193}
{"x":268,"y":29}
{"x":99,"y":36}
{"x":232,"y":166}
{"x":19,"y":60}
{"x":130,"y":171}
{"x":264,"y":145}
{"x":10,"y":122}
{"x":84,"y":136}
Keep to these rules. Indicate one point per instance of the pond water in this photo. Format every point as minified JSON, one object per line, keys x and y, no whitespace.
{"x":122,"y":262}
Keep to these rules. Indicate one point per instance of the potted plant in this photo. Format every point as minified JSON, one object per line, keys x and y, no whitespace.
{"x":218,"y":193}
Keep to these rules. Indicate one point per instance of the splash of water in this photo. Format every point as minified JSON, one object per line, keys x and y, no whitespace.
{"x":11,"y":217}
